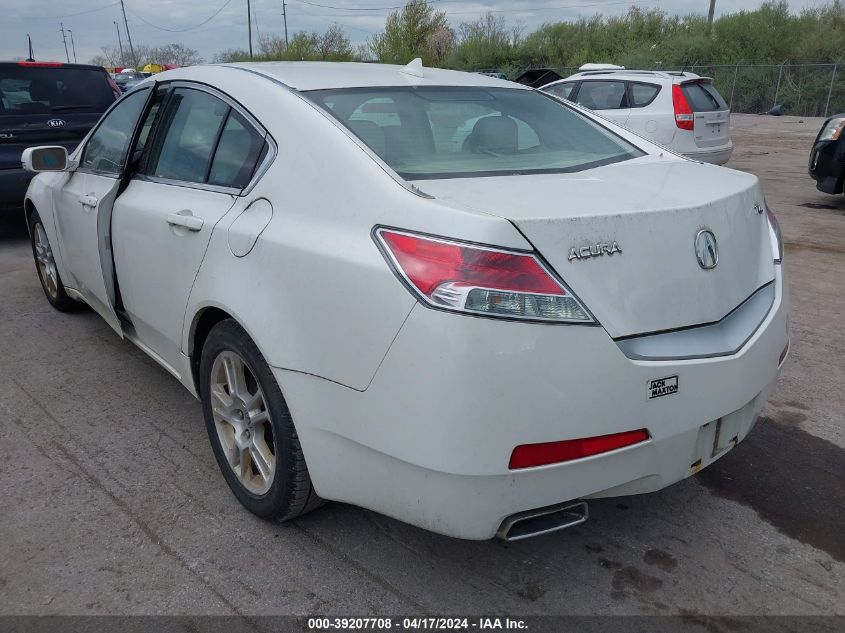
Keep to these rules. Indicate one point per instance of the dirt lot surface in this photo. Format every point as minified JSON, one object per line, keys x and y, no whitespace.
{"x":111,"y":501}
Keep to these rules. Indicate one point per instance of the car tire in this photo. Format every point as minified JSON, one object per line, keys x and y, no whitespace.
{"x":250,"y":427}
{"x":45,"y":265}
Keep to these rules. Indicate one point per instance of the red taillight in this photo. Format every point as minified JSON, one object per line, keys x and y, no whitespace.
{"x":775,"y":235}
{"x":684,"y":116}
{"x":530,"y":455}
{"x":41,"y":64}
{"x":114,"y":87}
{"x":480,"y":279}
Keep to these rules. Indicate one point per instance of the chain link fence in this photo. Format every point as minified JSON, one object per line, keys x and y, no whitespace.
{"x":802,"y":89}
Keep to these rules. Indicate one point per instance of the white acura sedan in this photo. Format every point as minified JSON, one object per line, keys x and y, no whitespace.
{"x":469,"y":327}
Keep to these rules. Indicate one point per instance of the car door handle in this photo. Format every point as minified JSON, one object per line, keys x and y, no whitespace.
{"x":190,"y":222}
{"x":89,"y":201}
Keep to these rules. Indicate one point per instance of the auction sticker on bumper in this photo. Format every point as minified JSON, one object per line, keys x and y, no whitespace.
{"x":660,"y":387}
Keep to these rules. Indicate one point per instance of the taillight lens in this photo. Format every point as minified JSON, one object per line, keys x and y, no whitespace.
{"x":114,"y":87}
{"x":684,"y":116}
{"x":531,"y":455}
{"x":775,"y":236}
{"x":479,"y":279}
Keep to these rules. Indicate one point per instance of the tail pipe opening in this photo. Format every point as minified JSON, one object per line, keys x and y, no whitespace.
{"x":543,"y":520}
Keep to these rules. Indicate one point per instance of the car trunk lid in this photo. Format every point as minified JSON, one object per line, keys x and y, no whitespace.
{"x":651,"y":209}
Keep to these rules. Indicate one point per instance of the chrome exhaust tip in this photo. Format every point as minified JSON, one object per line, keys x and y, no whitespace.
{"x":543,"y":520}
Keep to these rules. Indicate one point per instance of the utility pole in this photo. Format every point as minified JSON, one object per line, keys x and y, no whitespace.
{"x":119,"y":43}
{"x":128,"y":35}
{"x":72,"y":45}
{"x":249,"y":25}
{"x":64,"y":40}
{"x":285,"y":18}
{"x":710,"y":16}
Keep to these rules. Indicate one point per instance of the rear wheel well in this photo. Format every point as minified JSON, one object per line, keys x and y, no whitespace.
{"x":205,"y":321}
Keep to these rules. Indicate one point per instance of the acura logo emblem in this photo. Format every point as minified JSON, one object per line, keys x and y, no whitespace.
{"x":56,"y":122}
{"x":706,"y":249}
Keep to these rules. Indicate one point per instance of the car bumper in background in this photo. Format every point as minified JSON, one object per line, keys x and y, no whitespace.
{"x":827,"y":166}
{"x":429,"y":441}
{"x":715,"y":157}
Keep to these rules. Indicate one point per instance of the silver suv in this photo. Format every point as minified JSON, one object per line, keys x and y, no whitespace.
{"x":679,"y":110}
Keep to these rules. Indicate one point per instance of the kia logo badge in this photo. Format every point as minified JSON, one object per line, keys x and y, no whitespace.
{"x":56,"y":122}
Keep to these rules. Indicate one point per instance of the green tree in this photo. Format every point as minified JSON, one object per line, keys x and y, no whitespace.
{"x":417,"y":30}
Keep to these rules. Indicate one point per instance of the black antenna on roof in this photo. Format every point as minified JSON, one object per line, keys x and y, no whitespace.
{"x":30,"y":58}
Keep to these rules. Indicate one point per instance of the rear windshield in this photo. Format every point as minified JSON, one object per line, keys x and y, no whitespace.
{"x":453,"y":132}
{"x":703,"y":97}
{"x":35,"y":90}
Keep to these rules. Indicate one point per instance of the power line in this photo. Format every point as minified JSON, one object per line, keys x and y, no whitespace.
{"x":68,"y":15}
{"x":185,"y":29}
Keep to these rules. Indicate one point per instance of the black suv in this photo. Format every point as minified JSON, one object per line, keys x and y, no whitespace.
{"x":45,"y":103}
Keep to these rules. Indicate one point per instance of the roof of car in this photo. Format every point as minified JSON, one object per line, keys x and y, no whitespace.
{"x":328,"y":75}
{"x":667,"y":75}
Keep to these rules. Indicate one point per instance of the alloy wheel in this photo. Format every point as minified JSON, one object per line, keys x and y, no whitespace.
{"x":242,"y":420}
{"x":45,"y":261}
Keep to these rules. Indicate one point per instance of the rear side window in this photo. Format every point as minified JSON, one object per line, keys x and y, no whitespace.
{"x":237,"y":153}
{"x":201,"y":139}
{"x":602,"y":95}
{"x":39,"y":90}
{"x":105,"y":151}
{"x":643,"y":94}
{"x":194,"y":120}
{"x":564,"y":90}
{"x":703,"y":97}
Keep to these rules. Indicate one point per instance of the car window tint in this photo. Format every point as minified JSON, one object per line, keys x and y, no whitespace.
{"x":560,"y":90}
{"x":643,"y":94}
{"x":105,"y":151}
{"x":237,"y":153}
{"x":703,"y":97}
{"x":193,"y":120}
{"x":602,"y":95}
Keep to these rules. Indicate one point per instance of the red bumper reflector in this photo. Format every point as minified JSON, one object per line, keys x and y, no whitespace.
{"x":529,"y":455}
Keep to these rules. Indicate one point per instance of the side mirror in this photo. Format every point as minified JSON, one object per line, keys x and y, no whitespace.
{"x":38,"y":159}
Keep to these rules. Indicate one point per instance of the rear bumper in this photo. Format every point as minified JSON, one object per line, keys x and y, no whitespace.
{"x":827,"y":166}
{"x":13,"y":184}
{"x":718,"y":156}
{"x":428,"y":442}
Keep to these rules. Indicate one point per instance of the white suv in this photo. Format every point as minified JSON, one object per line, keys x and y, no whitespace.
{"x":679,"y":110}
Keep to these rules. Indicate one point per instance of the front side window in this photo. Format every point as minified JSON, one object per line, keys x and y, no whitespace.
{"x":564,"y":90}
{"x":602,"y":95}
{"x":105,"y":151}
{"x":450,"y":132}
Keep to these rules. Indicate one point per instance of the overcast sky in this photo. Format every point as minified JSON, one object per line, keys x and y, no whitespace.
{"x":190,"y":22}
